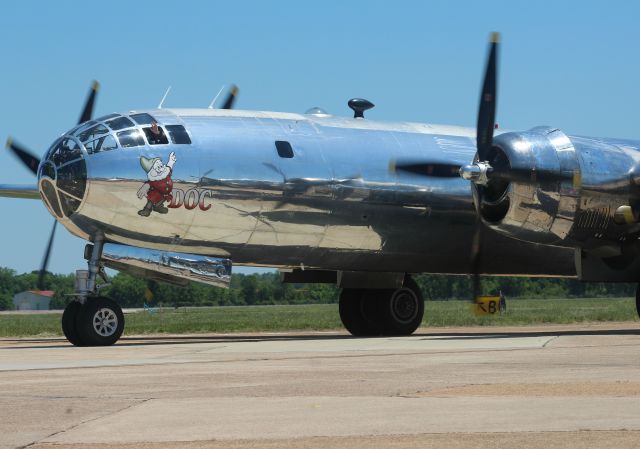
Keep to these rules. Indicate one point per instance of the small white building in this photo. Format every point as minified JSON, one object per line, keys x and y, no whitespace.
{"x":33,"y":300}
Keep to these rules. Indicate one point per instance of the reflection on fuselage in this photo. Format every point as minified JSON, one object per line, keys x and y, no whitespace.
{"x":332,"y":205}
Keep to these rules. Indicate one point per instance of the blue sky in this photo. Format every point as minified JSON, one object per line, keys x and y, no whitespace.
{"x":570,"y":64}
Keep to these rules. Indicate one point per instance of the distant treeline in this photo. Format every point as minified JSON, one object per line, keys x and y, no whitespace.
{"x":256,"y":289}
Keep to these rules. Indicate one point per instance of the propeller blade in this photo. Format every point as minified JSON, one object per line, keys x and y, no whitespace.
{"x":487,"y":108}
{"x":484,"y":141}
{"x":476,"y":245}
{"x":231,"y":97}
{"x":435,"y":169}
{"x":45,"y":259}
{"x":87,"y":112}
{"x":476,"y":252}
{"x":32,"y":162}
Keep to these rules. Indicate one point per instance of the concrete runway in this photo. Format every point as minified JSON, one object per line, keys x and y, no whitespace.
{"x":543,"y":387}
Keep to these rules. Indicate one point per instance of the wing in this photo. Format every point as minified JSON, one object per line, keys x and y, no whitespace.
{"x":19,"y":191}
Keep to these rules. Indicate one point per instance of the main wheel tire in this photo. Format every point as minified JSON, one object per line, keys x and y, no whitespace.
{"x":69,"y":320}
{"x":403,"y":309}
{"x":353,"y":308}
{"x":638,"y":300}
{"x":100,"y":322}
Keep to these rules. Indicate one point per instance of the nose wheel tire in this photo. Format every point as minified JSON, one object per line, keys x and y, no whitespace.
{"x":69,"y":317}
{"x":97,"y":322}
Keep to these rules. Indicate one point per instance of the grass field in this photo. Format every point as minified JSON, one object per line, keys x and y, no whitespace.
{"x":325,"y":316}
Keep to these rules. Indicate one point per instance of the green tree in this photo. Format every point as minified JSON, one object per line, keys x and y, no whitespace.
{"x":6,"y":301}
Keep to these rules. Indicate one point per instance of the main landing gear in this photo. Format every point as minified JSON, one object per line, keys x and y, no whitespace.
{"x":369,"y":312}
{"x":90,"y":319}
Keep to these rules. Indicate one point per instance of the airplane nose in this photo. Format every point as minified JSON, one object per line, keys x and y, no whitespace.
{"x":62,"y":177}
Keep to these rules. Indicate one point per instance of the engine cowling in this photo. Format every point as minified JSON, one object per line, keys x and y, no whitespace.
{"x":539,"y":212}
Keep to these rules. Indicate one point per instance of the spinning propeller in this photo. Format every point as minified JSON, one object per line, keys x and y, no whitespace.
{"x":487,"y":164}
{"x":32,"y":162}
{"x":231,"y":97}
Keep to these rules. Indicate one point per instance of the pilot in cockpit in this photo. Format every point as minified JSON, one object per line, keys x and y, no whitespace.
{"x":155,"y":134}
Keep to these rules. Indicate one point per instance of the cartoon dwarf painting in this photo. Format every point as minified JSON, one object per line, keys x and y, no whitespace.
{"x":159,"y":185}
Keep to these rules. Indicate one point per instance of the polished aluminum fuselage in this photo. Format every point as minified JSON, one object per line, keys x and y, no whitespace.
{"x":333,"y":205}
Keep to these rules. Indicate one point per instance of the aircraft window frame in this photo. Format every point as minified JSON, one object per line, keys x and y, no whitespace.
{"x":119,"y":123}
{"x":284,"y":149}
{"x":72,"y":178}
{"x":100,"y":144}
{"x":48,"y":169}
{"x":143,"y":118}
{"x":93,"y":133}
{"x":53,"y":147}
{"x":160,"y":139}
{"x":130,"y":134}
{"x":51,"y":196}
{"x":78,"y":129}
{"x":178,"y":134}
{"x":69,"y":203}
{"x":104,"y":118}
{"x":65,"y":153}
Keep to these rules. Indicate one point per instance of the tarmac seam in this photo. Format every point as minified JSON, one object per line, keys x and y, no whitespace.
{"x":555,"y":337}
{"x":265,"y":359}
{"x":42,"y":440}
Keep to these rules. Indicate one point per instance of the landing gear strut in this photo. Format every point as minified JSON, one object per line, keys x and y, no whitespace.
{"x":367,"y":312}
{"x":90,"y":319}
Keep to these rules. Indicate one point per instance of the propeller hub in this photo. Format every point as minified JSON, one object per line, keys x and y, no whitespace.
{"x":476,"y":173}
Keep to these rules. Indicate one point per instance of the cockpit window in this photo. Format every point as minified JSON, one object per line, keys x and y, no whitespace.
{"x":178,"y":134}
{"x":119,"y":123}
{"x":72,"y":178}
{"x":47,"y":169}
{"x":107,"y":117}
{"x":67,"y":150}
{"x":155,"y":135}
{"x":78,"y":129}
{"x":143,"y":119}
{"x":104,"y":143}
{"x":92,"y":133}
{"x":130,"y":138}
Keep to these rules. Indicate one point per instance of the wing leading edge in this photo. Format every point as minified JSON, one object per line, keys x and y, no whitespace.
{"x":19,"y":191}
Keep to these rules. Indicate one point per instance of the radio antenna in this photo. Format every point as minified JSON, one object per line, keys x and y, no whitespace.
{"x":164,"y":97}
{"x":215,"y":98}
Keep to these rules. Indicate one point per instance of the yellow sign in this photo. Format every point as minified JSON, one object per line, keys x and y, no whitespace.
{"x":486,"y":305}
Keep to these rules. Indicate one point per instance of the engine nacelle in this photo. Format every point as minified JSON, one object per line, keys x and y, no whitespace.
{"x":539,"y":212}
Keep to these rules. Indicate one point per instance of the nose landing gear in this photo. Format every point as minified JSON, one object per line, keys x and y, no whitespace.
{"x":97,"y":322}
{"x":90,"y":319}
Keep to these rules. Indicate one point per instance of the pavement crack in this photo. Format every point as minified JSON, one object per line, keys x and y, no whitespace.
{"x":555,"y":337}
{"x":74,"y":426}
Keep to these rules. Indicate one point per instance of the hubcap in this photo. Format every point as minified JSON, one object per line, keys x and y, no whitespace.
{"x":105,"y":322}
{"x":404,"y":305}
